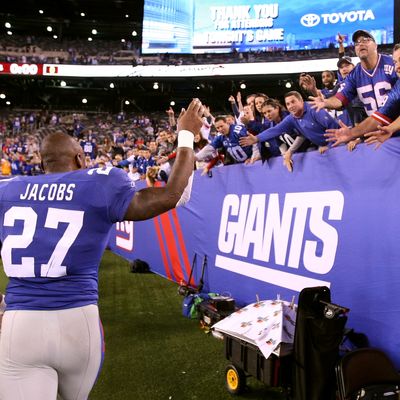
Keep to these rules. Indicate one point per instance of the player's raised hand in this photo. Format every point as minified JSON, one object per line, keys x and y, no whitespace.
{"x":248,"y":140}
{"x":338,"y":136}
{"x":190,"y":119}
{"x":379,"y":136}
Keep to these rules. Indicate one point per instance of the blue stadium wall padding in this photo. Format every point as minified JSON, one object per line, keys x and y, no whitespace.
{"x":333,"y":221}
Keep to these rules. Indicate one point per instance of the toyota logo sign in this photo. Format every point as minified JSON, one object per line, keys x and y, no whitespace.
{"x":310,"y":20}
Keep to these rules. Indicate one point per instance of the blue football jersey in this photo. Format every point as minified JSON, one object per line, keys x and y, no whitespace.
{"x":230,"y":142}
{"x":54,"y":229}
{"x":371,"y":87}
{"x":89,"y":148}
{"x":391,"y":108}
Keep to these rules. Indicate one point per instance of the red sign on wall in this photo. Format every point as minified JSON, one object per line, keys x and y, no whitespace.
{"x":21,"y":69}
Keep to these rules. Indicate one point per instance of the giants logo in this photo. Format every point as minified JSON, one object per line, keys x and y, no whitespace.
{"x":253,"y":227}
{"x":124,"y":235}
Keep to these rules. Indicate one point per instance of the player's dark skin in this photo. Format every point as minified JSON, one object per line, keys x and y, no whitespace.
{"x":61,"y":153}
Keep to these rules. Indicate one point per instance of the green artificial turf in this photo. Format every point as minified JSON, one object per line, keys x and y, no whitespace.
{"x":152,"y":351}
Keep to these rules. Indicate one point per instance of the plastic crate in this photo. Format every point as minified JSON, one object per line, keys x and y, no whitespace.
{"x":272,"y":371}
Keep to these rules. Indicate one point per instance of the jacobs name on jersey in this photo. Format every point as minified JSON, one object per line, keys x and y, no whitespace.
{"x":48,"y":192}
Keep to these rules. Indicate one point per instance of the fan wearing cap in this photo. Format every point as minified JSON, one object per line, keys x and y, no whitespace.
{"x":370,"y":80}
{"x":345,"y":66}
{"x":382,"y":124}
{"x":355,"y":108}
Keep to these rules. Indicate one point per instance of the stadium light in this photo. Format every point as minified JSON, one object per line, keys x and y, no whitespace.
{"x":41,"y":11}
{"x":7,"y":25}
{"x":49,"y":29}
{"x":243,"y":85}
{"x":83,"y":14}
{"x":89,"y":39}
{"x":134,"y":33}
{"x":112,"y":86}
{"x":9,"y":33}
{"x":155,"y":85}
{"x":172,"y":103}
{"x":94,"y":31}
{"x":8,"y":102}
{"x":127,"y":102}
{"x":288,"y":84}
{"x":123,"y":40}
{"x":55,"y":37}
{"x":126,"y":15}
{"x":63,"y":83}
{"x":84,"y":101}
{"x":2,"y":96}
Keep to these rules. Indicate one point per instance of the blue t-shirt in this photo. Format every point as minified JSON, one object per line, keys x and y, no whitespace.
{"x":371,"y":87}
{"x":230,"y":142}
{"x":312,"y":125}
{"x":54,"y":229}
{"x":391,"y":108}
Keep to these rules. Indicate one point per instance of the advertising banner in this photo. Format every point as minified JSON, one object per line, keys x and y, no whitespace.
{"x":333,"y":221}
{"x":194,"y":26}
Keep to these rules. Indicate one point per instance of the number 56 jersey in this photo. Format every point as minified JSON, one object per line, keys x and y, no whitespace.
{"x":54,"y":229}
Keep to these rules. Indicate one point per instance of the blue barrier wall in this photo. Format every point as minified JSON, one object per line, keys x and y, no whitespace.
{"x":334,"y":221}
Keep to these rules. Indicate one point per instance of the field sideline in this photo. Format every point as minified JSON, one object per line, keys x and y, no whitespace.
{"x":152,"y":351}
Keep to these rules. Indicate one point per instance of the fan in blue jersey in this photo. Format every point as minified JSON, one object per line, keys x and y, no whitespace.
{"x":89,"y":146}
{"x":54,"y":229}
{"x":381,"y":119}
{"x":310,"y":124}
{"x":355,"y":108}
{"x":144,"y":161}
{"x":308,"y":85}
{"x":370,"y":80}
{"x":328,"y":81}
{"x":227,"y":140}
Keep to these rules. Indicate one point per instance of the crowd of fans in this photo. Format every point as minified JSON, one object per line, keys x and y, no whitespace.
{"x":32,"y":49}
{"x":258,"y":128}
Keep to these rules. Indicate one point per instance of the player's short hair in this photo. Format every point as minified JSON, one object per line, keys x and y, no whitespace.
{"x":294,"y":93}
{"x":396,"y":47}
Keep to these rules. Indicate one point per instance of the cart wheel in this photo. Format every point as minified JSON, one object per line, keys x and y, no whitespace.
{"x":235,"y":379}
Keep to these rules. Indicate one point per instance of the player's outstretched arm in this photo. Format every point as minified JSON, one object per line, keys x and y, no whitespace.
{"x":150,"y":202}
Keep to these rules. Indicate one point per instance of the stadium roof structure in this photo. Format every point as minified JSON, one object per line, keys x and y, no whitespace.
{"x":113,"y":19}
